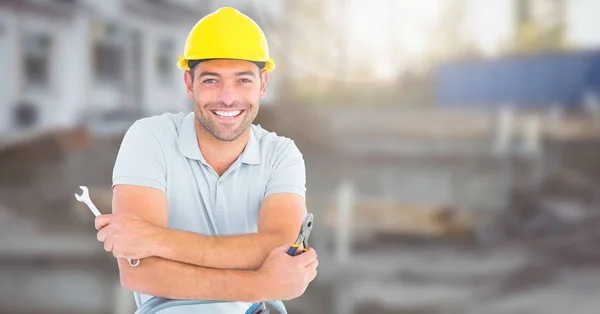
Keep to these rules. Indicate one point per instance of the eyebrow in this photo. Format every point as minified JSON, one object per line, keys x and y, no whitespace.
{"x":204,"y":73}
{"x":245,"y":73}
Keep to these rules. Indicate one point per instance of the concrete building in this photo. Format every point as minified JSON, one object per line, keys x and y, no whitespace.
{"x":73,"y":62}
{"x":68,"y":60}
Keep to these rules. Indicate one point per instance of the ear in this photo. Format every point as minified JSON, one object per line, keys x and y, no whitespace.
{"x":187,"y":78}
{"x":263,"y":83}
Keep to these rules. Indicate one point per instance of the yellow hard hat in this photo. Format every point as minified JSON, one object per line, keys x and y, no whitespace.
{"x":226,"y":34}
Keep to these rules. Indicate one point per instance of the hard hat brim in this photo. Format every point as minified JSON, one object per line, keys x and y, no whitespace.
{"x":183,"y":62}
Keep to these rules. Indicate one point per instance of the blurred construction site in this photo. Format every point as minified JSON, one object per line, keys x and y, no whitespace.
{"x":451,"y":147}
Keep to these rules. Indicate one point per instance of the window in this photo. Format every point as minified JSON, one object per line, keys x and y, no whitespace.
{"x":38,"y":48}
{"x":108,"y":53}
{"x":165,"y":60}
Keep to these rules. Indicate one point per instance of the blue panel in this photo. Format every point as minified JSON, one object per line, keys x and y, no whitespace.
{"x":525,"y":81}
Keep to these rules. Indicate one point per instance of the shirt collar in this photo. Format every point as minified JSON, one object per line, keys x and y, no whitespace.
{"x":251,"y":154}
{"x":188,"y":143}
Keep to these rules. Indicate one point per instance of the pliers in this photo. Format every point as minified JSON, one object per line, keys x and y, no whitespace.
{"x":302,"y":235}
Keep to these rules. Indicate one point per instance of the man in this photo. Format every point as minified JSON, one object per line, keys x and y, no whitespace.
{"x":208,"y":201}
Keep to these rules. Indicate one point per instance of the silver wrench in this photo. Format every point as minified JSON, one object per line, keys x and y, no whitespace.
{"x":85,"y":198}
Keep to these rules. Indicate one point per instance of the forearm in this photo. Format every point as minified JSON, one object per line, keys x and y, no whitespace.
{"x":169,"y":279}
{"x":244,"y":252}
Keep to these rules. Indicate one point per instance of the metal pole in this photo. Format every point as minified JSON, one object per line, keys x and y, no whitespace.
{"x":344,"y":225}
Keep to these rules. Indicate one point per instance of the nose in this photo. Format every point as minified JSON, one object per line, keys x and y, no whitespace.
{"x":227,"y":94}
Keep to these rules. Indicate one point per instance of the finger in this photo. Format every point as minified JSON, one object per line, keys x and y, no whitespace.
{"x":118,"y":254}
{"x":307,"y":257}
{"x":313,"y":265}
{"x":103,"y":234}
{"x":103,"y":220}
{"x":312,"y":274}
{"x":108,"y":245}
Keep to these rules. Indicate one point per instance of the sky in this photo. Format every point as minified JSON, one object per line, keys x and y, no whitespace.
{"x":388,"y":36}
{"x":488,"y":24}
{"x":584,"y":23}
{"x":375,"y":31}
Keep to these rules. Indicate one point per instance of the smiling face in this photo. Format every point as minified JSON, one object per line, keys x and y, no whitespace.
{"x":226,"y":95}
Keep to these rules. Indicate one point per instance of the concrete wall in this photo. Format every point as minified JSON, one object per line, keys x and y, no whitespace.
{"x":9,"y":77}
{"x":159,"y":94}
{"x":469,"y":185}
{"x":59,"y":289}
{"x":59,"y":101}
{"x":48,"y":99}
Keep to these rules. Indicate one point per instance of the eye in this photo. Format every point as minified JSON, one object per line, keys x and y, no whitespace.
{"x":245,"y":80}
{"x":209,"y":81}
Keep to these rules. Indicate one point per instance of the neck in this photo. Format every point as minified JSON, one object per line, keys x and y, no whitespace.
{"x":220,"y":155}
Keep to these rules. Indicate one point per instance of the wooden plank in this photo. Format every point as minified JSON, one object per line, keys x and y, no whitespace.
{"x":379,"y":216}
{"x":463,"y":125}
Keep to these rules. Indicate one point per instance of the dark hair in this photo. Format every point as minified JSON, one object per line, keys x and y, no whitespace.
{"x":192,"y":65}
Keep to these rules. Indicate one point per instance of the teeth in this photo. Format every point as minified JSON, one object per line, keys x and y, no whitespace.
{"x":228,"y":113}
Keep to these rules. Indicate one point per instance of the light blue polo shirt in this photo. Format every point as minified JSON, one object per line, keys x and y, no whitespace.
{"x":162,"y":152}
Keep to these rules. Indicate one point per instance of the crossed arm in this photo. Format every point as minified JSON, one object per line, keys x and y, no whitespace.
{"x":185,"y":265}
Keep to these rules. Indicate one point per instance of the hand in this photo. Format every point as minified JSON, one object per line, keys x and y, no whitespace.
{"x":127,"y":235}
{"x":286,"y":277}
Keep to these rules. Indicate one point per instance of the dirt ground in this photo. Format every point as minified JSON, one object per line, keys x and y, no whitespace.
{"x":557,"y":272}
{"x":511,"y":278}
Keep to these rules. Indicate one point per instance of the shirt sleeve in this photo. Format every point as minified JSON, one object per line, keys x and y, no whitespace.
{"x":288,"y":174}
{"x":140,"y":160}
